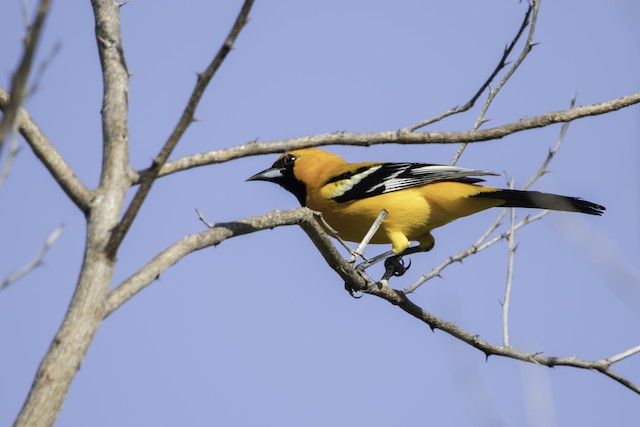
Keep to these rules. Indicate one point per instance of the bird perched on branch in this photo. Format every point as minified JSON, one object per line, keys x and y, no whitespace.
{"x":417,"y":196}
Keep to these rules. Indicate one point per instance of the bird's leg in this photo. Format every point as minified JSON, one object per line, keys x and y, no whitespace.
{"x":390,"y":256}
{"x":394,"y":265}
{"x":376,"y":259}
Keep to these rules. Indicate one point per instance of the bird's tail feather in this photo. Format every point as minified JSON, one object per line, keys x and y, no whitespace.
{"x":536,"y":199}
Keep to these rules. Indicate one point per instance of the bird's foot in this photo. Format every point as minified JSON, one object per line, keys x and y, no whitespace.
{"x":394,"y":266}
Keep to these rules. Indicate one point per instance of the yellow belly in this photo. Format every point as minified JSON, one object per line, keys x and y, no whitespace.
{"x":412,"y":213}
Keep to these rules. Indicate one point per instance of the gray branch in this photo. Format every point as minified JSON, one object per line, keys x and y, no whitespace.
{"x":21,"y":76}
{"x":307,"y":220}
{"x":49,"y":156}
{"x":255,"y":148}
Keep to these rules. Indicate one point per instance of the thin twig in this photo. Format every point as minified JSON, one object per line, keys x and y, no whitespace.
{"x":35,"y":262}
{"x":473,"y":249}
{"x":535,"y":5}
{"x":621,"y":356}
{"x":11,"y":156}
{"x":485,"y":85}
{"x":552,"y":152}
{"x":507,"y":292}
{"x":367,"y":237}
{"x":185,"y":120}
{"x":204,"y":221}
{"x":21,"y":76}
{"x":42,"y":68}
{"x":24,"y":9}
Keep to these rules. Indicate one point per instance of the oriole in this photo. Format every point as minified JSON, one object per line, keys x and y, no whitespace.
{"x":417,"y":196}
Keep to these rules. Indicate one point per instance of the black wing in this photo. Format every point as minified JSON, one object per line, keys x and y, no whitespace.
{"x":375,"y":179}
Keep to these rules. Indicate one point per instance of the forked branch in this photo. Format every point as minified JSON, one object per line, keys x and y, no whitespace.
{"x":534,"y":7}
{"x":185,"y":120}
{"x":49,"y":156}
{"x":501,"y":64}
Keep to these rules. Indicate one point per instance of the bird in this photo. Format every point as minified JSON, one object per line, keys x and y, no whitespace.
{"x":418,"y":197}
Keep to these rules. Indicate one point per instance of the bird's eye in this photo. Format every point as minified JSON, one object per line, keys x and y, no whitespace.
{"x":289,"y":159}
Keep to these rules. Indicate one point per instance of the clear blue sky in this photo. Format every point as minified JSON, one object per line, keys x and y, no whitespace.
{"x":259,"y":331}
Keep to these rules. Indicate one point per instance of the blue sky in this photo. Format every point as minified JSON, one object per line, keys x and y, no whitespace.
{"x":259,"y":331}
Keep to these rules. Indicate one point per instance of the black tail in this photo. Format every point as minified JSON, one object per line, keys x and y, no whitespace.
{"x":536,"y":199}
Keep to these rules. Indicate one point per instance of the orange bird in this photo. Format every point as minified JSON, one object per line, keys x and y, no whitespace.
{"x":417,"y":196}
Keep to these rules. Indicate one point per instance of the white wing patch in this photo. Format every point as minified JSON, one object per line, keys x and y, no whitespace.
{"x":347,"y":184}
{"x":412,"y":176}
{"x":389,"y":177}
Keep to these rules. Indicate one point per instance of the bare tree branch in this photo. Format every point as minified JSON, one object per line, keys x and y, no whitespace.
{"x":115,"y":100}
{"x":543,"y":169}
{"x":510,"y":261}
{"x":35,"y":262}
{"x":624,"y":354}
{"x":86,"y":310}
{"x":503,"y":63}
{"x":21,"y":76}
{"x":306,"y":219}
{"x":11,"y":110}
{"x":49,"y":156}
{"x":603,"y":366}
{"x":255,"y":148}
{"x":185,"y":120}
{"x":480,"y":244}
{"x":535,"y":5}
{"x":216,"y":235}
{"x":92,"y":302}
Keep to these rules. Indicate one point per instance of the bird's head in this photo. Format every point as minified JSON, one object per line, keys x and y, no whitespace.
{"x":296,"y":170}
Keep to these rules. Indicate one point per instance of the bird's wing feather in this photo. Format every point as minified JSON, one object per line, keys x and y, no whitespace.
{"x":374,"y":179}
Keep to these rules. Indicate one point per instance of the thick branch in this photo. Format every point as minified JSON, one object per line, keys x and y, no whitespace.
{"x":86,"y":310}
{"x":115,"y":101}
{"x":185,"y":120}
{"x":396,"y":137}
{"x":49,"y":156}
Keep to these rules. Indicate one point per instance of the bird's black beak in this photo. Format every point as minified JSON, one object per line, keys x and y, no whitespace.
{"x":282,"y":174}
{"x":272,"y":174}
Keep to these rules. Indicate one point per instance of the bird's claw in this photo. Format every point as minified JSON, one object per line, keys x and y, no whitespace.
{"x":394,"y":266}
{"x":354,"y":294}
